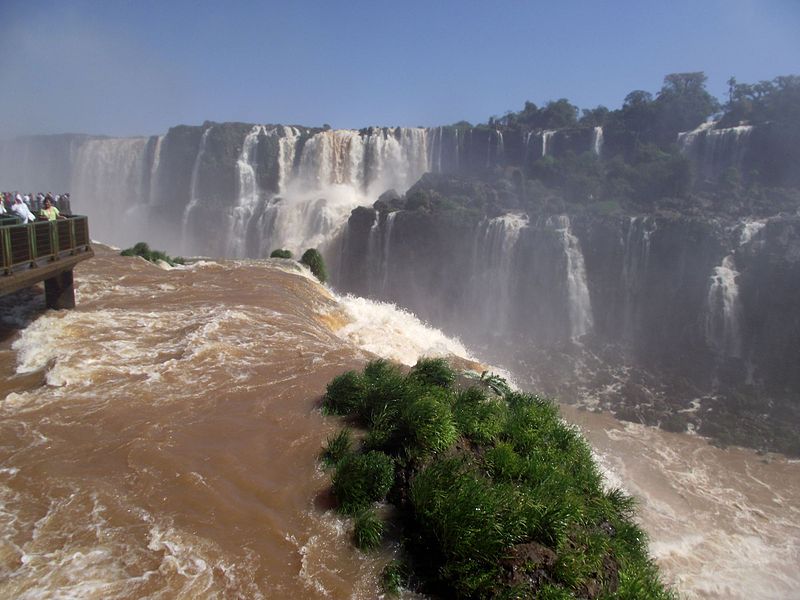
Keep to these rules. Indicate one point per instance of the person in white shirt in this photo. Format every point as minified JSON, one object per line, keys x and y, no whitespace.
{"x":22,"y":211}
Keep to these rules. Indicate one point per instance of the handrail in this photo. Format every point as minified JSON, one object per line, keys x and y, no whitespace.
{"x":25,"y":245}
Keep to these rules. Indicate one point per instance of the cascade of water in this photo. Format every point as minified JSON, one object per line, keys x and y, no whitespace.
{"x":597,"y":141}
{"x":527,"y":147}
{"x":749,"y":230}
{"x":493,"y":261}
{"x":373,"y":258}
{"x":714,"y":150}
{"x":687,"y":139}
{"x":457,"y":151}
{"x":435,"y":146}
{"x":580,"y":307}
{"x":248,"y":194}
{"x":287,"y":145}
{"x":154,"y":170}
{"x":338,"y":171}
{"x":193,"y":198}
{"x":387,"y":237}
{"x":636,"y":256}
{"x":108,"y":183}
{"x":546,"y":135}
{"x":723,"y":331}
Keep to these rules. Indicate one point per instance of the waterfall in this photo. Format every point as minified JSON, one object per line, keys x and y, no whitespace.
{"x":193,"y":198}
{"x":723,"y":331}
{"x":108,"y":183}
{"x":527,"y":148}
{"x":580,"y":306}
{"x":287,"y":146}
{"x":546,"y":135}
{"x":494,"y":278}
{"x":500,"y":149}
{"x":248,"y":194}
{"x":387,"y":237}
{"x":715,"y":150}
{"x":636,"y":256}
{"x":337,"y":170}
{"x":378,"y":253}
{"x":597,"y":141}
{"x":154,"y":170}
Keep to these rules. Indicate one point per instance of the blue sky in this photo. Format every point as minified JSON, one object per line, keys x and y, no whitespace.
{"x":121,"y":67}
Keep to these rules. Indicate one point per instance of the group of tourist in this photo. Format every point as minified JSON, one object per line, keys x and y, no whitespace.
{"x":24,"y":206}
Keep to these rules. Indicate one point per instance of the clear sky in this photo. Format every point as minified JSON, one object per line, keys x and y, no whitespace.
{"x":122,"y":67}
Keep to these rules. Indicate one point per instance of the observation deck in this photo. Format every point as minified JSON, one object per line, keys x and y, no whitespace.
{"x":43,"y":251}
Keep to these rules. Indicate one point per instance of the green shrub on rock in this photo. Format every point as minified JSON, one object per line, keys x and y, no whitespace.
{"x":345,"y":394}
{"x":361,"y":479}
{"x":313,"y":260}
{"x":143,"y":250}
{"x":496,"y":495}
{"x":281,"y":253}
{"x":434,"y":371}
{"x":428,"y":424}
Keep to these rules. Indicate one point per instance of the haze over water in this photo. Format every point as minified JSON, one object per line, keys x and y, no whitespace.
{"x":161,"y":440}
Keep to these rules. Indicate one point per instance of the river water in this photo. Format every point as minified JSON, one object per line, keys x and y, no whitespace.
{"x":160,"y":441}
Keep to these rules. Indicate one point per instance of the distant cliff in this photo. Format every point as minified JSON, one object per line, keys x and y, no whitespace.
{"x":683,"y":321}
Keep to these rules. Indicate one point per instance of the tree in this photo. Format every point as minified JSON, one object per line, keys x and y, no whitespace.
{"x":682,"y":104}
{"x":558,"y":114}
{"x":594,"y":117}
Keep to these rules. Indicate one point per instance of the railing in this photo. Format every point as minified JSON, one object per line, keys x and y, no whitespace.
{"x":25,"y":246}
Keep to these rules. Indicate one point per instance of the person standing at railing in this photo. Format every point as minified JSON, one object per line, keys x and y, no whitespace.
{"x":22,"y":211}
{"x":50,"y":212}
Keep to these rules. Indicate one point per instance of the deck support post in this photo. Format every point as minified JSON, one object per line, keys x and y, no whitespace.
{"x":59,"y":290}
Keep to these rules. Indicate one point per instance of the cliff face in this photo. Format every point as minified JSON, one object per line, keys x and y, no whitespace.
{"x":240,"y":189}
{"x":661,"y":311}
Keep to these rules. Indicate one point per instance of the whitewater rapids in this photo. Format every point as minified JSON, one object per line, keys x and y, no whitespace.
{"x":160,"y":441}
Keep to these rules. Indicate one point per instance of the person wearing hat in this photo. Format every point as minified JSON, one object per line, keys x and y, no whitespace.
{"x":22,"y":210}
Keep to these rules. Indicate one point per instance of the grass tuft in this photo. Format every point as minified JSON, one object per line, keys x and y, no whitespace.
{"x":434,"y":371}
{"x":345,"y":394}
{"x":368,"y":530}
{"x":337,"y":447}
{"x":361,"y":479}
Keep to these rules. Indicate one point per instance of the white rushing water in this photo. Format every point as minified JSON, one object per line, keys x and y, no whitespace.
{"x":636,"y":253}
{"x":714,"y":150}
{"x":581,"y":319}
{"x":493,"y":264}
{"x":193,"y":197}
{"x":110,"y":172}
{"x":248,"y":195}
{"x":546,"y":135}
{"x":723,"y":329}
{"x":597,"y":141}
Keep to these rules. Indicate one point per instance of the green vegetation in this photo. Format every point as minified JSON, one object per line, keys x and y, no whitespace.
{"x":313,"y":260}
{"x":495,"y":495}
{"x":776,"y":101}
{"x":281,"y":253}
{"x":143,"y":250}
{"x":362,"y":479}
{"x":337,"y":447}
{"x":368,"y":530}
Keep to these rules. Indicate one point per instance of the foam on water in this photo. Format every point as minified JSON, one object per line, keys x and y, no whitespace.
{"x":716,"y":536}
{"x":391,"y":332}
